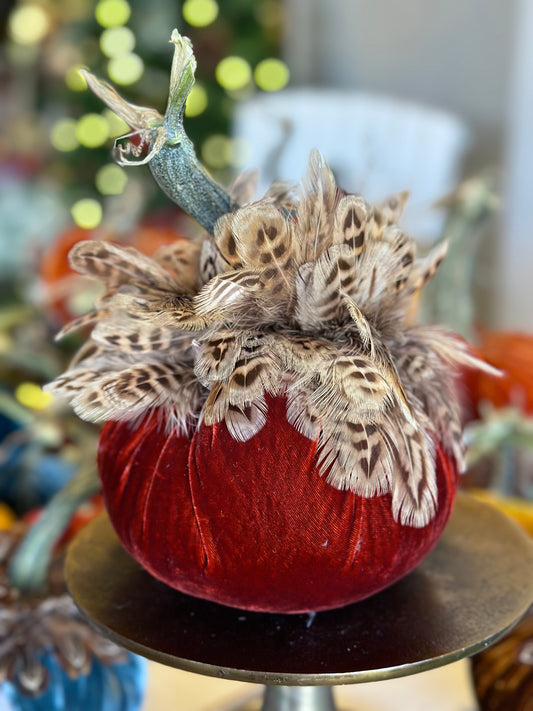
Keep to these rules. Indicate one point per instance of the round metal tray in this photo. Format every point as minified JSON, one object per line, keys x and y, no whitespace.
{"x":475,"y":586}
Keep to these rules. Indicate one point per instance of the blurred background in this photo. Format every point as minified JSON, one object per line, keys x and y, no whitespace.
{"x":414,"y":96}
{"x":434,"y":97}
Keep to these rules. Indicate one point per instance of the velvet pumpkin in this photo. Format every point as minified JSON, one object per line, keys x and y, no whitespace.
{"x":305,"y":295}
{"x":253,"y":525}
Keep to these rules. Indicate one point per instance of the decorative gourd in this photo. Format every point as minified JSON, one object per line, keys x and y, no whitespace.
{"x":285,"y":439}
{"x":107,"y":687}
{"x":513,"y":353}
{"x":51,"y":657}
{"x":503,"y":674}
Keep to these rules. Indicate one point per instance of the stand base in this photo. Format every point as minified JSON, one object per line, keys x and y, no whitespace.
{"x":466,"y":594}
{"x":297,"y":698}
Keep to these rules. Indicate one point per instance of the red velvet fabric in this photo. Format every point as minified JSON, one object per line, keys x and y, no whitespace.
{"x":253,"y":525}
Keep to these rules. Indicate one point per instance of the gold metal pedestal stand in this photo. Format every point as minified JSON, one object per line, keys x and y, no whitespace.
{"x":472,"y":589}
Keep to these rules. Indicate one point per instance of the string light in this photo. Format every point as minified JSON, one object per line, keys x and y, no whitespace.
{"x":117,"y":40}
{"x":271,"y":74}
{"x":125,"y":68}
{"x":92,"y":131}
{"x":29,"y":24}
{"x":216,"y":151}
{"x":233,"y":73}
{"x":63,"y":135}
{"x":32,"y":395}
{"x":196,"y":101}
{"x":87,"y":213}
{"x":115,"y":125}
{"x":112,"y":13}
{"x":219,"y":151}
{"x":74,"y":80}
{"x":199,"y":13}
{"x":111,"y":179}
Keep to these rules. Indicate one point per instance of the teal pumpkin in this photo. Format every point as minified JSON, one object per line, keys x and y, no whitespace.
{"x":113,"y":687}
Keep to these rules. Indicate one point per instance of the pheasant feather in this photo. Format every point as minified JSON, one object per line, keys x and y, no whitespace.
{"x":305,"y":295}
{"x":310,"y":302}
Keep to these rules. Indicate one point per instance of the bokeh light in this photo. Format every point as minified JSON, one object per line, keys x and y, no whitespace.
{"x":216,"y":151}
{"x":200,"y":13}
{"x":271,"y":74}
{"x":28,"y":24}
{"x":92,"y":130}
{"x":115,"y":125}
{"x":112,"y":13}
{"x":111,"y":179}
{"x":74,"y":80}
{"x":196,"y":101}
{"x":63,"y":135}
{"x":87,"y":213}
{"x":32,"y":395}
{"x":233,"y":73}
{"x":220,"y":151}
{"x":116,"y":41}
{"x":125,"y":68}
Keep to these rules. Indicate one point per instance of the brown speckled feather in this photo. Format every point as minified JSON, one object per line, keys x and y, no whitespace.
{"x":303,"y":295}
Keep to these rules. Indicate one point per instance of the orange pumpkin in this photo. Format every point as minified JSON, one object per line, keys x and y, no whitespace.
{"x":512,"y":353}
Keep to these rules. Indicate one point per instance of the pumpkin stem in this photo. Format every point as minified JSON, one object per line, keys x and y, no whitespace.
{"x":169,"y":151}
{"x":29,"y":565}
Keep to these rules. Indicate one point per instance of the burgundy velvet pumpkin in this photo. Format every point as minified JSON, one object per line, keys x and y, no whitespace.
{"x":253,"y":525}
{"x":304,"y":294}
